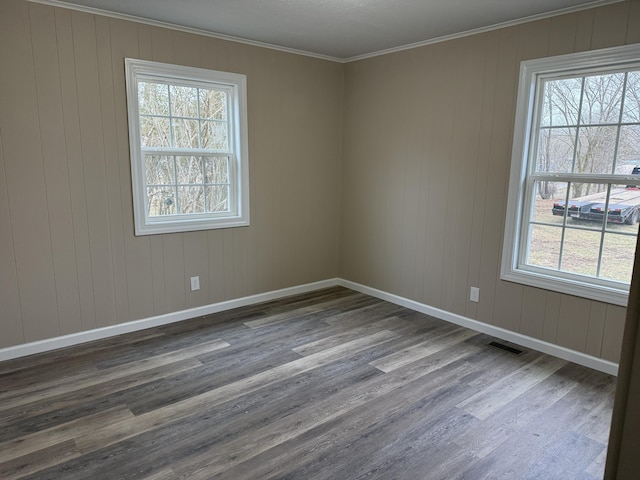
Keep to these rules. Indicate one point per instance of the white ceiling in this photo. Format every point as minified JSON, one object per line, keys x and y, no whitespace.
{"x":338,"y":29}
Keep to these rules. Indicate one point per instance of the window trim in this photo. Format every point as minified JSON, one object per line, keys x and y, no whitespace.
{"x":517,"y":201}
{"x":136,"y":70}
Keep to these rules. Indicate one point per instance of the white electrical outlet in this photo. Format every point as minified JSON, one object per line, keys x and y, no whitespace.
{"x":474,"y":296}
{"x":195,"y":283}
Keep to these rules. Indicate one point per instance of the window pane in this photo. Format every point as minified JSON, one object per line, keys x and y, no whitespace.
{"x":544,"y":246}
{"x":617,"y":257}
{"x":217,"y":169}
{"x":561,"y":102}
{"x":580,"y":252}
{"x":623,"y":205}
{"x":214,"y":135}
{"x":626,"y":227}
{"x":184,"y":101}
{"x":213,"y":104}
{"x":582,"y":198}
{"x":153,"y":98}
{"x":596,"y":148}
{"x":555,"y":149}
{"x":160,"y":170}
{"x":185,"y":133}
{"x":189,"y":170}
{"x":548,"y":204}
{"x":629,"y":146}
{"x":191,"y":199}
{"x":601,"y":99}
{"x":218,"y":198}
{"x":586,"y":202}
{"x":154,"y":132}
{"x":161,"y":201}
{"x":631,"y":112}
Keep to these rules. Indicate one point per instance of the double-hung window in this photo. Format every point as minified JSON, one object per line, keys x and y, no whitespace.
{"x":188,"y":144}
{"x":574,"y":191}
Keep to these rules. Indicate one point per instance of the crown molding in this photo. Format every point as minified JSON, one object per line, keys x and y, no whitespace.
{"x":181,"y":28}
{"x":476,"y":31}
{"x":255,"y":43}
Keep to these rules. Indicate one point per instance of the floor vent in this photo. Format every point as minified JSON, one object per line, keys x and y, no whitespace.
{"x":506,"y":348}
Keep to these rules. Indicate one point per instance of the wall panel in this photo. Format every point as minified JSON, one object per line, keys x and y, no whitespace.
{"x":595,"y":333}
{"x":633,"y":27}
{"x":533,"y":313}
{"x":480,"y":173}
{"x":612,"y":335}
{"x":112,"y":159}
{"x":469,"y":107}
{"x":92,"y":143}
{"x":497,"y":175}
{"x":196,"y":263}
{"x":75,"y":167}
{"x":610,"y":26}
{"x":562,"y":35}
{"x":573,"y":323}
{"x":551,"y":317}
{"x":584,"y":31}
{"x":10,"y":322}
{"x":51,"y":123}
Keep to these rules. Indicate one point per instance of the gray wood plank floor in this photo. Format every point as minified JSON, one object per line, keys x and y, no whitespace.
{"x":328,"y":385}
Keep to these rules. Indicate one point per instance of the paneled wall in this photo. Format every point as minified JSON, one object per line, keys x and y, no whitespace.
{"x":427,"y":149}
{"x":69,"y":261}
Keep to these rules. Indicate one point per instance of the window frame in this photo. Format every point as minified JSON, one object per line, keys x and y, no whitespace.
{"x":519,"y":202}
{"x":236,"y":87}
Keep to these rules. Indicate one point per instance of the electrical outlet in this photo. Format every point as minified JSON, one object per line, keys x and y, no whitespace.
{"x":195,"y":283}
{"x":474,"y":296}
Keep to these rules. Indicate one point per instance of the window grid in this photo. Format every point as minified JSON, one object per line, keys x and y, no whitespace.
{"x":174,"y":187}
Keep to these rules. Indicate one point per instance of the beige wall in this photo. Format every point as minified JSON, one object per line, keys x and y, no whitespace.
{"x":68,"y":258}
{"x":427,"y":148}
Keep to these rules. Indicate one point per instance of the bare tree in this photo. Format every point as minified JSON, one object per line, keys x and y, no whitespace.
{"x":579,"y":126}
{"x":182,"y":118}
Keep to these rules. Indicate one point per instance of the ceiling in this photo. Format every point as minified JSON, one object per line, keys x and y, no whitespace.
{"x":337,"y":29}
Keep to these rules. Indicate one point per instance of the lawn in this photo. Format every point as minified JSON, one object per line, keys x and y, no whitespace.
{"x":581,"y":245}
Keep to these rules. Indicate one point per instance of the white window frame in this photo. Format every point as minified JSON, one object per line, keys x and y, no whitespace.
{"x":513,"y":267}
{"x":236,"y":87}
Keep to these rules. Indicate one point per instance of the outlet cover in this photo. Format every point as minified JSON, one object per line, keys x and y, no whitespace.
{"x":474,"y":296}
{"x":195,"y":283}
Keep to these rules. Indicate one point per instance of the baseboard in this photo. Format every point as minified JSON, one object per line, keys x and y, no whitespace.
{"x":136,"y":325}
{"x":517,"y":338}
{"x":111,"y":331}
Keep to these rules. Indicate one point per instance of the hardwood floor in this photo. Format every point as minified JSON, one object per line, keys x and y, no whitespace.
{"x":328,"y":385}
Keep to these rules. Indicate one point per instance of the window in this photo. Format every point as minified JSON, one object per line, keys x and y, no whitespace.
{"x":574,"y":191}
{"x":188,"y":141}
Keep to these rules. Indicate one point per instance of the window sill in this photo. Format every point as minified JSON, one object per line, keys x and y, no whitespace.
{"x":577,"y":288}
{"x":190,"y":225}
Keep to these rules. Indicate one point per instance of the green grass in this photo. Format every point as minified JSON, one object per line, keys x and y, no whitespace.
{"x":581,"y":247}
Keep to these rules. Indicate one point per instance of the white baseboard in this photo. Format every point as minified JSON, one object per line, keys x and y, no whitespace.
{"x":111,"y":331}
{"x":517,"y":338}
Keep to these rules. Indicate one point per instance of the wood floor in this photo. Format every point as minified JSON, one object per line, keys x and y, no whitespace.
{"x":328,"y":385}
